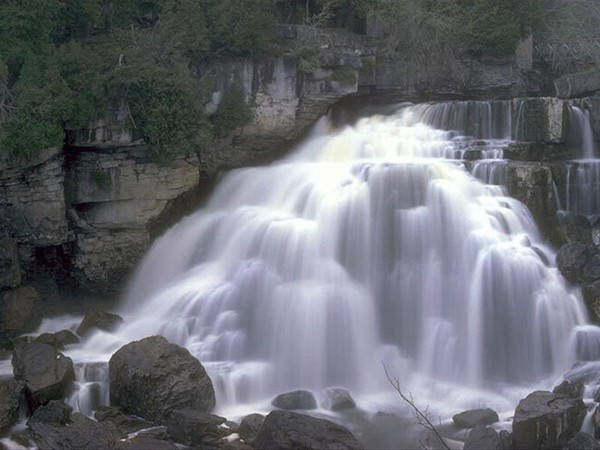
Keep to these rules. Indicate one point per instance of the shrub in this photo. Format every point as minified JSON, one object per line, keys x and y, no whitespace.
{"x":233,"y":112}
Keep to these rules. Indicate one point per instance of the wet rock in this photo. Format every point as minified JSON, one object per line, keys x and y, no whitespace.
{"x":591,"y":297}
{"x":124,"y":423}
{"x":482,"y":438}
{"x":576,"y":229}
{"x":339,"y":399}
{"x":295,"y":400}
{"x":55,"y":412}
{"x":10,"y":392}
{"x":96,"y":318}
{"x":145,"y":443}
{"x":544,"y":420}
{"x":19,"y":311}
{"x":47,"y":373}
{"x":250,"y":426}
{"x":579,"y":263}
{"x":596,"y":421}
{"x":582,"y":441}
{"x":571,"y":389}
{"x":475,"y":417}
{"x":10,"y":270}
{"x":151,"y":378}
{"x":542,"y":119}
{"x":57,"y":340}
{"x":195,"y":428}
{"x":536,"y":151}
{"x":81,"y":433}
{"x":289,"y":430}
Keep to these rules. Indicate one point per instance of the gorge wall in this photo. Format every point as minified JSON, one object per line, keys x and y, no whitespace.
{"x":84,"y":214}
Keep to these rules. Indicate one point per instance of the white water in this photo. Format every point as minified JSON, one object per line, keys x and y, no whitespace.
{"x":368,"y":244}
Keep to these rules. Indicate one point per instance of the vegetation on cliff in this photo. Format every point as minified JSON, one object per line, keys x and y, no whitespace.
{"x":64,"y":63}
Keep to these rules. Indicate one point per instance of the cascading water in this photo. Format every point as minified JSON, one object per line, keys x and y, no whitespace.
{"x":368,"y":244}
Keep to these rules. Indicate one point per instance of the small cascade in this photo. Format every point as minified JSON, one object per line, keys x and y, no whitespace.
{"x":478,"y":119}
{"x":581,"y":135}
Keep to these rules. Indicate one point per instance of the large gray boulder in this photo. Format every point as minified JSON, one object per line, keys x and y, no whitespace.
{"x":591,"y":297}
{"x":544,"y":420}
{"x":152,"y":377}
{"x":339,"y":399}
{"x":196,"y":428}
{"x":289,"y":430}
{"x":19,"y":311}
{"x":124,"y":423}
{"x":250,"y":426}
{"x":578,"y":262}
{"x":475,"y":417}
{"x":10,"y":270}
{"x":482,"y":438}
{"x":300,"y":399}
{"x":47,"y":373}
{"x":55,"y":412}
{"x":10,"y":391}
{"x":582,"y":441}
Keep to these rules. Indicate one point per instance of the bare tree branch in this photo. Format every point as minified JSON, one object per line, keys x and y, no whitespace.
{"x":422,"y":417}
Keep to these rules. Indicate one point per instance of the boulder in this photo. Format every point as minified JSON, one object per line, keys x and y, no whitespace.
{"x":289,"y":430}
{"x":475,"y":417}
{"x":10,"y":270}
{"x":582,"y":441}
{"x":124,"y":423}
{"x":570,"y":389}
{"x":339,"y":399}
{"x":544,"y":420}
{"x":196,"y":428}
{"x":10,"y":392}
{"x":574,"y":228}
{"x":250,"y":426}
{"x":96,"y":318}
{"x":145,"y":443}
{"x":47,"y":373}
{"x":579,"y":263}
{"x":55,"y":412}
{"x":57,"y":340}
{"x":151,"y":378}
{"x":81,"y":433}
{"x":295,"y":400}
{"x":19,"y":311}
{"x":482,"y":438}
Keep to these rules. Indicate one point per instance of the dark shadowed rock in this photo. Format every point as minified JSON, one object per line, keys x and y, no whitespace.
{"x":289,"y":430}
{"x":579,"y":263}
{"x":152,"y":377}
{"x":250,"y":426}
{"x":591,"y":297}
{"x":19,"y":311}
{"x":482,"y":438}
{"x":145,"y":443}
{"x":576,"y":229}
{"x":81,"y":433}
{"x":582,"y":441}
{"x":544,"y":420}
{"x":295,"y":400}
{"x":98,"y":319}
{"x":10,"y":270}
{"x":339,"y":399}
{"x":571,"y":389}
{"x":124,"y":423}
{"x":55,"y":412}
{"x":10,"y":391}
{"x":195,"y":428}
{"x":475,"y":417}
{"x":58,"y":339}
{"x":48,"y":374}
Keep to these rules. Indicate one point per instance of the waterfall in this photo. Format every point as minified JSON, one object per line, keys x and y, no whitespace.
{"x":581,"y":135}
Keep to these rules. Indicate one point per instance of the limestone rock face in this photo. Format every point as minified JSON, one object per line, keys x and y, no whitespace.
{"x":115,"y":196}
{"x":19,"y":311}
{"x":10,"y":269}
{"x":544,"y":420}
{"x":152,"y":378}
{"x":542,"y":119}
{"x":577,"y":84}
{"x":32,"y":201}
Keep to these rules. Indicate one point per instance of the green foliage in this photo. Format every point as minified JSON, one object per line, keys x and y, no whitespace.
{"x":233,"y":112}
{"x":344,"y":75}
{"x":239,"y":27}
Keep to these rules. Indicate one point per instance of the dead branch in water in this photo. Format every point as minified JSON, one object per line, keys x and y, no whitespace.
{"x":422,"y":417}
